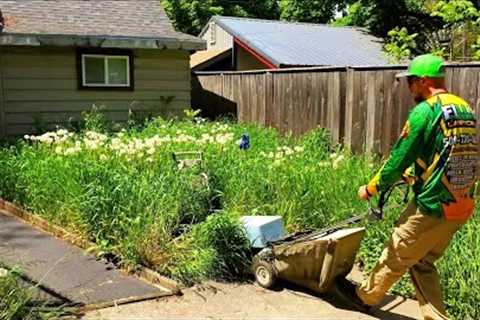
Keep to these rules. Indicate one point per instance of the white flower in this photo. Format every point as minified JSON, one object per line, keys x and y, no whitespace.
{"x":103,"y":157}
{"x":324,"y":164}
{"x":298,"y":149}
{"x":62,"y":132}
{"x":224,"y":138}
{"x":151,"y":151}
{"x":271,"y":155}
{"x":333,"y":155}
{"x":279,"y":155}
{"x":58,"y":150}
{"x":26,"y":137}
{"x":277,"y":162}
{"x":71,"y":151}
{"x":336,"y":162}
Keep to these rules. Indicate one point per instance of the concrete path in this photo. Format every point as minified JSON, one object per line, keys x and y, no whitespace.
{"x":63,"y":272}
{"x":214,"y":300}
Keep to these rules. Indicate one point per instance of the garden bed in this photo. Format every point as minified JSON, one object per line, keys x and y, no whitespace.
{"x":124,"y":192}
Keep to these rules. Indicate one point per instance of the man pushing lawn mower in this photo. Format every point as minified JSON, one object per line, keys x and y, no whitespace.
{"x":439,"y":140}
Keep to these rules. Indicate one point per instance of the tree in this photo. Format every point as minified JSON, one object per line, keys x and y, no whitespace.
{"x":400,"y":44}
{"x":190,"y":16}
{"x":316,"y":11}
{"x":461,"y":27}
{"x":381,"y":16}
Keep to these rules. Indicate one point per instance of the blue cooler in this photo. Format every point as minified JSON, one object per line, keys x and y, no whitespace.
{"x":261,"y":229}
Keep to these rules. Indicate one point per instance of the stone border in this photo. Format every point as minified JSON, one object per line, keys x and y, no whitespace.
{"x":36,"y":221}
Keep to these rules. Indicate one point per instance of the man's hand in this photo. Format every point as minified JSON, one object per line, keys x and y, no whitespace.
{"x":363,"y":193}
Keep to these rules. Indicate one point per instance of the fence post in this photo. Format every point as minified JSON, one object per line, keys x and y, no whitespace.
{"x":354,"y":112}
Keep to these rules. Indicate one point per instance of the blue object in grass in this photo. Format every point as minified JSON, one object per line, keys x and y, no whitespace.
{"x":244,"y":142}
{"x":262,"y":229}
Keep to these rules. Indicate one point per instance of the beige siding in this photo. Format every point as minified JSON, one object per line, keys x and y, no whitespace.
{"x":40,"y":85}
{"x":245,"y":61}
{"x":217,"y":38}
{"x":2,"y":100}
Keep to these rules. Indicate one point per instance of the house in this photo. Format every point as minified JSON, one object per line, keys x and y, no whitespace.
{"x":59,"y":57}
{"x":249,"y":44}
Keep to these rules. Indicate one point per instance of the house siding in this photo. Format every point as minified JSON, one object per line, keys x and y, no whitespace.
{"x":2,"y":100}
{"x":223,"y":40}
{"x":245,"y":61}
{"x":40,"y":85}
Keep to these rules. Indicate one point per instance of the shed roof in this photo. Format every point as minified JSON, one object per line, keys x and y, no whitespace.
{"x":305,"y":44}
{"x":106,"y":23}
{"x":200,"y":57}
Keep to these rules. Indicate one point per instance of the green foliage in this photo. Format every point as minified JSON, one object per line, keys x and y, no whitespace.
{"x":222,"y":234}
{"x":95,"y":119}
{"x":13,"y":304}
{"x":16,"y":300}
{"x":124,"y":191}
{"x":357,"y":15}
{"x":382,"y":16}
{"x":400,"y":44}
{"x":191,"y":114}
{"x":316,"y":11}
{"x":455,"y":11}
{"x":461,"y":26}
{"x":190,"y":16}
{"x":476,"y":49}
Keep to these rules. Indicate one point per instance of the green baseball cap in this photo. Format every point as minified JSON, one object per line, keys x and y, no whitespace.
{"x":426,"y":65}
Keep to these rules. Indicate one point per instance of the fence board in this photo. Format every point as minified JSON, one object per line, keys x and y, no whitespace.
{"x":364,"y":108}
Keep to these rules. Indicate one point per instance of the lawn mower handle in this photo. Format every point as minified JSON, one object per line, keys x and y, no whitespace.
{"x":377,"y":213}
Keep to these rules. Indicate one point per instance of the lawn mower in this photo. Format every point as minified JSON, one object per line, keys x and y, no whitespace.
{"x":311,"y":259}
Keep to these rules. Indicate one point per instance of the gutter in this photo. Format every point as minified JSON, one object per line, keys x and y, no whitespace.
{"x":61,"y":40}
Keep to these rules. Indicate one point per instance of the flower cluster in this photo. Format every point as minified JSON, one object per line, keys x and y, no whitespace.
{"x":128,"y":147}
{"x":281,"y":153}
{"x":56,"y":137}
{"x":335,"y":161}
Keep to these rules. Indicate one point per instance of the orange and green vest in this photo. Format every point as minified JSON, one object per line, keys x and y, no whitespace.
{"x":440,"y":140}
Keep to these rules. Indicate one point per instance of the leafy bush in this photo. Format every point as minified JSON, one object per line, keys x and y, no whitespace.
{"x":124,"y":191}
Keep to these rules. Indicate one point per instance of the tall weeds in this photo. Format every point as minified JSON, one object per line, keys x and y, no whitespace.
{"x":124,"y":191}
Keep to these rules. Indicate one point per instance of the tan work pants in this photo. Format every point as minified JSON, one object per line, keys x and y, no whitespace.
{"x":417,"y":241}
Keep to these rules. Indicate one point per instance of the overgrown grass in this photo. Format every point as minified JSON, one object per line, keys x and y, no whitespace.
{"x":16,"y":301}
{"x":124,"y":191}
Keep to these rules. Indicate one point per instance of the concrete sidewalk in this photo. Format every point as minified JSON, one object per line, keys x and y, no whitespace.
{"x":64,"y":273}
{"x":214,"y":300}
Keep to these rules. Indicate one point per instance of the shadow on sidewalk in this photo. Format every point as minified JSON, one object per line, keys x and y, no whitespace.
{"x":339,"y":303}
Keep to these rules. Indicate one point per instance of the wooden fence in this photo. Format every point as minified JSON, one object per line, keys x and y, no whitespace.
{"x":363,"y":107}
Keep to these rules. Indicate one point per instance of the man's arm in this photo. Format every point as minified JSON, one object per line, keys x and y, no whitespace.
{"x":404,"y":152}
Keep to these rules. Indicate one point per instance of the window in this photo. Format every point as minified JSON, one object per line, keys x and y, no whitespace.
{"x":106,"y":71}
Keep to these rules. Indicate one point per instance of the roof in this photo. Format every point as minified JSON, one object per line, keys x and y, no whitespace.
{"x":200,"y":57}
{"x":305,"y":44}
{"x":106,"y":23}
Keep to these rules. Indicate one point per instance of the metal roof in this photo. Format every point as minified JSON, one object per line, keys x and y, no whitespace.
{"x":124,"y":23}
{"x":306,"y":44}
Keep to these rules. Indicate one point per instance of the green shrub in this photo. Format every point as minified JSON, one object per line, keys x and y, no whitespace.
{"x":124,"y":191}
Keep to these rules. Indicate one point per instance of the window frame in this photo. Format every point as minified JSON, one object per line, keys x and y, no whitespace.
{"x":105,"y":54}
